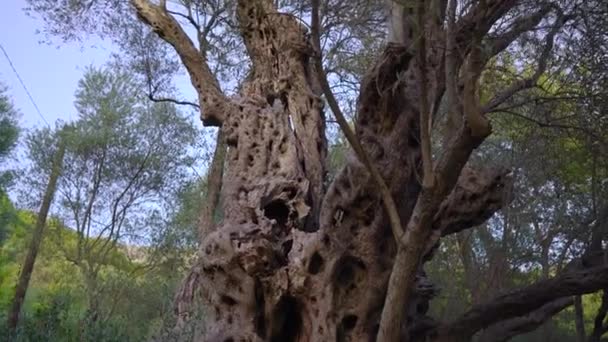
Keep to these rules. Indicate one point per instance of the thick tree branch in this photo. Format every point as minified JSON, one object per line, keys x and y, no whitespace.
{"x":496,"y":44}
{"x":505,"y":331}
{"x":212,"y":100}
{"x":454,"y":120}
{"x":476,"y":197}
{"x":479,"y":20}
{"x":400,"y":21}
{"x":523,"y":301}
{"x":477,"y":122}
{"x":425,"y":125}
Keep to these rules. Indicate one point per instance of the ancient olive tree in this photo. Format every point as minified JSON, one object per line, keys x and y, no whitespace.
{"x":295,"y":258}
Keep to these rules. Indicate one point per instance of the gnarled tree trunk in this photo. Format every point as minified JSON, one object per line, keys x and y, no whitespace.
{"x":292,"y":260}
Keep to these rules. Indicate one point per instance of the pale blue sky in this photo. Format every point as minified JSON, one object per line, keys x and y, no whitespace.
{"x":50,"y":71}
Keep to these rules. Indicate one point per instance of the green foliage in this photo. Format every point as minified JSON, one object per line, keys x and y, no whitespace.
{"x":136,"y":299}
{"x":9,"y":133}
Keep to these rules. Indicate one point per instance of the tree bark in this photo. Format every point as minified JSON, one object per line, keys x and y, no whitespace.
{"x":37,"y":236}
{"x":184,"y":299}
{"x":214,"y":187}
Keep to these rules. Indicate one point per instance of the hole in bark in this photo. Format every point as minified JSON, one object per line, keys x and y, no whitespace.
{"x":368,"y":216}
{"x":284,"y":100}
{"x":413,"y":141}
{"x":348,"y":276}
{"x":347,"y":269}
{"x":277,"y":210}
{"x":345,"y":183}
{"x":287,"y":245}
{"x":291,"y":193}
{"x":270,"y":99}
{"x":316,"y":263}
{"x":229,"y":339}
{"x":283,"y":146}
{"x":347,"y":324}
{"x":326,"y":240}
{"x":287,"y":320}
{"x":422,"y":307}
{"x":228,"y":300}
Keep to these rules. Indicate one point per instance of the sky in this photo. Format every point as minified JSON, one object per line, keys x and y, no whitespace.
{"x":50,"y":71}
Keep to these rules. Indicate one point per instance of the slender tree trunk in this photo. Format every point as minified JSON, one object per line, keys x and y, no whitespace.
{"x":470,"y":269}
{"x":579,"y":319}
{"x":214,"y":186}
{"x":37,"y":236}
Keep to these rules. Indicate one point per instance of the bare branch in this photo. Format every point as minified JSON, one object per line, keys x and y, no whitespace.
{"x":540,"y":69}
{"x":153,"y":98}
{"x":187,"y":17}
{"x":203,"y":80}
{"x":478,"y":21}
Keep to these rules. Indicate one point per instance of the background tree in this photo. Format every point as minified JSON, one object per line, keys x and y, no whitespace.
{"x":38,"y":234}
{"x":120,"y":171}
{"x":9,"y":133}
